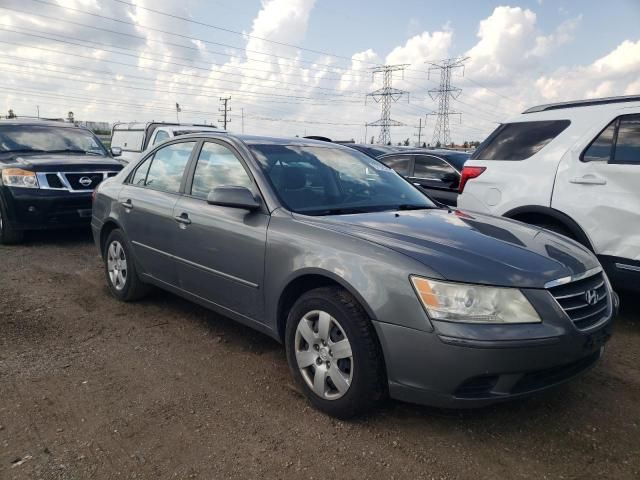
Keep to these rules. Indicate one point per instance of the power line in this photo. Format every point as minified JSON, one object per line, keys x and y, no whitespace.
{"x":444,"y":93}
{"x":385,"y":96}
{"x":213,"y":52}
{"x":138,"y":56}
{"x":105,"y":17}
{"x":319,"y":52}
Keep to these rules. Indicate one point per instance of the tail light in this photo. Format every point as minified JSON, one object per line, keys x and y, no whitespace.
{"x":467,"y":174}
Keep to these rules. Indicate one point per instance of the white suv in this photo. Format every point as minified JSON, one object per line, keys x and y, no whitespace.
{"x":573,"y":168}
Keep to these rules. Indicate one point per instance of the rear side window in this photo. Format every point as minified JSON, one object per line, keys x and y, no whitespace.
{"x":399,"y":164}
{"x":628,"y":141}
{"x":519,"y":141}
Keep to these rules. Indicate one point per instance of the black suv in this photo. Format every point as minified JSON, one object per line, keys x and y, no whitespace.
{"x":48,"y":171}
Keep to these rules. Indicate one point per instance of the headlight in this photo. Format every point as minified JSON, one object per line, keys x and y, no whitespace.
{"x":16,"y":177}
{"x":459,"y":302}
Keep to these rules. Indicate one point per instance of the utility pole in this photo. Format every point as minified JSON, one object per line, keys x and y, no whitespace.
{"x":419,"y":127}
{"x":385,"y":96}
{"x":443,"y":94}
{"x":178,"y":110}
{"x":38,"y":110}
{"x":242,"y":116}
{"x":224,"y":110}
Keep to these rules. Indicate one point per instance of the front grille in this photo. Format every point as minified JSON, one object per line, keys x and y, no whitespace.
{"x":84,"y":181}
{"x":477,"y":387}
{"x":54,"y":180}
{"x":574,"y":299}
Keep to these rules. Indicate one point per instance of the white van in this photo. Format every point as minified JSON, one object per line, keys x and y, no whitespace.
{"x":131,"y":139}
{"x":573,"y":168}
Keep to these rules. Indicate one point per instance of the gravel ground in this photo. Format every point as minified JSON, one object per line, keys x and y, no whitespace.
{"x":93,"y":388}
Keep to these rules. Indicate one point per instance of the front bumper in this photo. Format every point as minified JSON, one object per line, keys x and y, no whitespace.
{"x":491,"y":365}
{"x":36,"y":209}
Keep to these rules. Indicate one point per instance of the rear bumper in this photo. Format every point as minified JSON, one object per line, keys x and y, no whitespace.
{"x":431,"y":369}
{"x":34,"y":209}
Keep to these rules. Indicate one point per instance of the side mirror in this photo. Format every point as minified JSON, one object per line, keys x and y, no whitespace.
{"x":116,"y":151}
{"x":234,"y":197}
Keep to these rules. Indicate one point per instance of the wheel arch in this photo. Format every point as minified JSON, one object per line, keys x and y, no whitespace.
{"x":305,"y":281}
{"x":531,"y":213}
{"x":107,"y":227}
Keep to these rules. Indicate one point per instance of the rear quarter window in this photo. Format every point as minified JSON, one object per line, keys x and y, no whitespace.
{"x":520,"y":140}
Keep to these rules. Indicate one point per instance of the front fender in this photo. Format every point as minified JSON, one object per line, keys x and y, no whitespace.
{"x":377,"y":276}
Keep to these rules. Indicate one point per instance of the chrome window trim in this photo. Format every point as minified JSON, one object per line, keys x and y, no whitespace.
{"x":573,"y":278}
{"x":624,"y":266}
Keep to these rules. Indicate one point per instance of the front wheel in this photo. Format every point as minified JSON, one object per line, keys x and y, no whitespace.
{"x":333,"y":353}
{"x":120,"y":269}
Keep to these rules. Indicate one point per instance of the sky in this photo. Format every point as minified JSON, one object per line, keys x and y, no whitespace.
{"x":304,"y":67}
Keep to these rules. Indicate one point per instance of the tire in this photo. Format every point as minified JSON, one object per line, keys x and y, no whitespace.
{"x":360,"y":380}
{"x":120,"y":269}
{"x":8,"y":235}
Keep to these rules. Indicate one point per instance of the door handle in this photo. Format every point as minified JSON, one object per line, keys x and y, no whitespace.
{"x":589,"y":180}
{"x":183,"y":219}
{"x":127,"y":204}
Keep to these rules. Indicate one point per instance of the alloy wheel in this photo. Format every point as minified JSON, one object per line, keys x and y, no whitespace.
{"x":323,"y":354}
{"x":117,"y":265}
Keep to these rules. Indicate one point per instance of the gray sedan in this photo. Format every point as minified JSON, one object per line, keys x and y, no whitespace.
{"x":372,"y":288}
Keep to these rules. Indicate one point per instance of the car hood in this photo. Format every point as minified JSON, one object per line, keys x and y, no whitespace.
{"x":471,"y":248}
{"x":61,"y":162}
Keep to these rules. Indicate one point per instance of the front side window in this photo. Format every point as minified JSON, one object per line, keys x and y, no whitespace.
{"x":318,"y":180}
{"x":600,"y":148}
{"x":167,"y":167}
{"x":399,"y":164}
{"x":49,"y":139}
{"x":161,"y":136}
{"x":432,"y":168}
{"x":140,"y":176}
{"x":217,"y":166}
{"x":628,"y":141}
{"x":520,"y":140}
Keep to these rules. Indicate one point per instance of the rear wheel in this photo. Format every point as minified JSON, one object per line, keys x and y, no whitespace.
{"x":120,"y":269}
{"x":8,"y":235}
{"x":333,"y":353}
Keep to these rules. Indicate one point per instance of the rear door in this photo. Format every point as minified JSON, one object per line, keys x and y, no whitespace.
{"x":220,"y":250}
{"x":599,"y":187}
{"x":147,"y":202}
{"x":436,"y":177}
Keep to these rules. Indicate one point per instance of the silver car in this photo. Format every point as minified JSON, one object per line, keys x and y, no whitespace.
{"x":373,"y":289}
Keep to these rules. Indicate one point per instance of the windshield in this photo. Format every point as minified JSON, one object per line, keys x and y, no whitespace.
{"x":39,"y":138}
{"x":317,"y":180}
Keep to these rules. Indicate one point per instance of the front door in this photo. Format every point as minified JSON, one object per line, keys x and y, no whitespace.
{"x":220,"y":250}
{"x":599,"y":188}
{"x":147,"y":202}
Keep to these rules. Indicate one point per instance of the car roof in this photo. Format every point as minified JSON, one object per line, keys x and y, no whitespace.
{"x":263,"y":139}
{"x":584,"y":112}
{"x":34,"y":121}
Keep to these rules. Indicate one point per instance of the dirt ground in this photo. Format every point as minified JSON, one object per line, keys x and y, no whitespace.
{"x":93,"y":388}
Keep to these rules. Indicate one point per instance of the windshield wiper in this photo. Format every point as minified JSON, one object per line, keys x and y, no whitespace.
{"x":23,"y":150}
{"x":413,"y":206}
{"x":337,"y":211}
{"x":74,"y":150}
